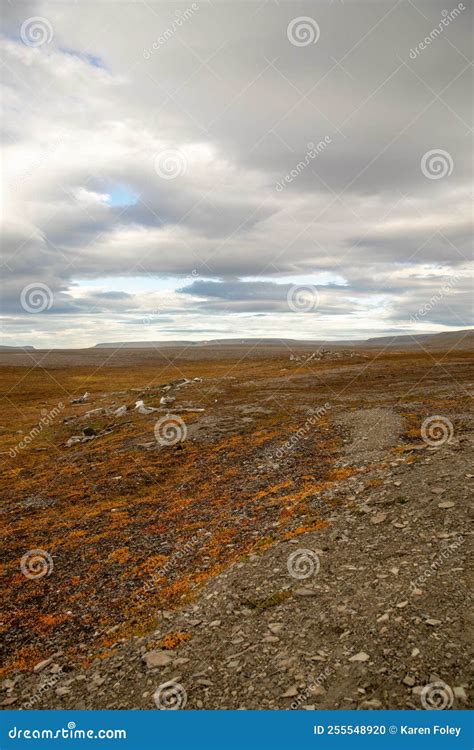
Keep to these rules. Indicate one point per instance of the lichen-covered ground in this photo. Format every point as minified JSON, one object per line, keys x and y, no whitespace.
{"x":131,"y":523}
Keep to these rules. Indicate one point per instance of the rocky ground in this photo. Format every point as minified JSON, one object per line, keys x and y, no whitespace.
{"x":368,"y":609}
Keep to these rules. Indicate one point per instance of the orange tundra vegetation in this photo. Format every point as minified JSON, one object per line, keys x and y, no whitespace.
{"x":134,"y":527}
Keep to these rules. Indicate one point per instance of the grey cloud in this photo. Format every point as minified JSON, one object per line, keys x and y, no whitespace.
{"x":239,"y":104}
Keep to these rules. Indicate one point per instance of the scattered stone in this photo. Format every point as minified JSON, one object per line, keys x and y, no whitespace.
{"x":290,"y":693}
{"x":9,"y":701}
{"x":275,"y":627}
{"x":378,"y":518}
{"x":157,"y":659}
{"x":92,"y":413}
{"x":42,"y":665}
{"x":82,"y":399}
{"x":73,"y":440}
{"x":142,"y":409}
{"x":361,"y":656}
{"x":305,"y":592}
{"x":167,"y":400}
{"x":460,"y":693}
{"x":62,"y":690}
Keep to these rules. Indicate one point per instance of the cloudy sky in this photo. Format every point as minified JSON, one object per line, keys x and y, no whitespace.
{"x":219,"y":169}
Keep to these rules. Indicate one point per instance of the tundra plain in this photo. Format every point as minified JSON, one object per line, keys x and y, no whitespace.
{"x":262,"y":528}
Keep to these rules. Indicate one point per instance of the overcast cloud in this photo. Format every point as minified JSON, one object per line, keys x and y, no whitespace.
{"x":177,"y":170}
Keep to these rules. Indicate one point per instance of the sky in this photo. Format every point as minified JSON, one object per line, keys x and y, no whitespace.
{"x":213,"y":169}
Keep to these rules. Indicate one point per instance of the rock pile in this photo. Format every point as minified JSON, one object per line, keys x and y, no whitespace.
{"x":327,"y":354}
